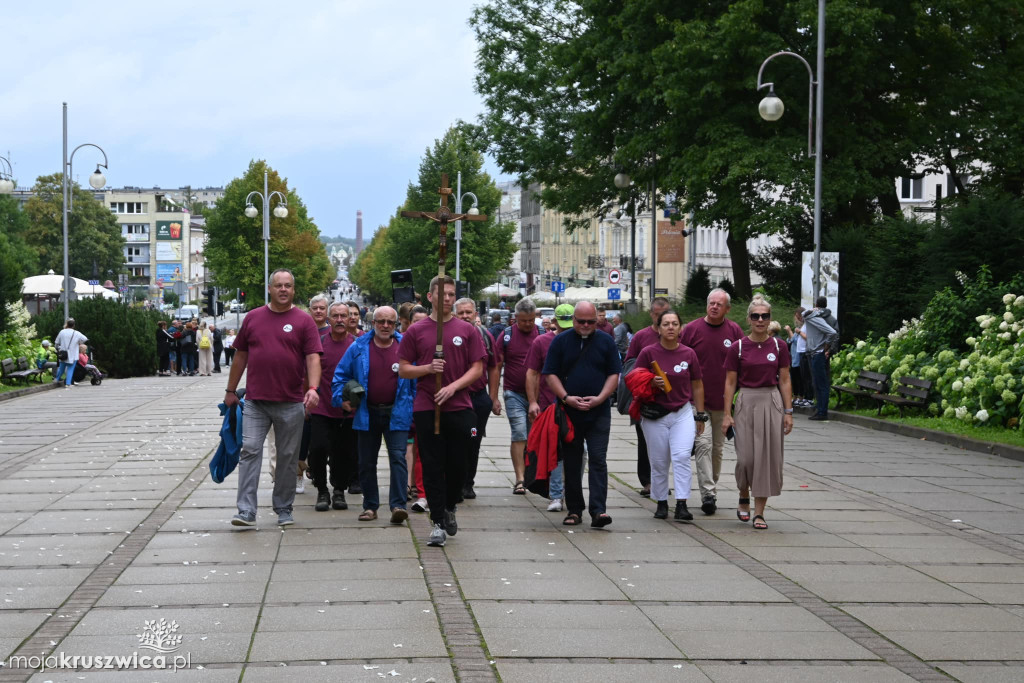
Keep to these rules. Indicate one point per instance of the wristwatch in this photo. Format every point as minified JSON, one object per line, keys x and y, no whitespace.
{"x":701,"y":417}
{"x":231,"y":391}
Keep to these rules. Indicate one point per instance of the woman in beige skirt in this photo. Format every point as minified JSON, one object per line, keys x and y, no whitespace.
{"x":759,"y":365}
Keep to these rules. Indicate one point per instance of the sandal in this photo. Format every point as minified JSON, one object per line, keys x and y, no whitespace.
{"x":601,"y":520}
{"x":519,"y":489}
{"x":743,"y":515}
{"x":572,"y":519}
{"x":368,"y":515}
{"x":760,"y":525}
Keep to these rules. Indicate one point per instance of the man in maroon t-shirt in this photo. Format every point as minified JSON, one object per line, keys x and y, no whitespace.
{"x":603,"y":324}
{"x":711,"y":337}
{"x":443,"y":455}
{"x":480,"y":392}
{"x":332,"y":441}
{"x":279,"y":345}
{"x":640,"y":340}
{"x":513,"y":346}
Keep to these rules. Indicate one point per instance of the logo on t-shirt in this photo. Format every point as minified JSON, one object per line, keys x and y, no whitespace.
{"x":508,"y":337}
{"x":287,"y":328}
{"x":682,"y":366}
{"x":771,"y":356}
{"x":472,"y":432}
{"x":394,"y":367}
{"x":457,"y":341}
{"x":727,"y":343}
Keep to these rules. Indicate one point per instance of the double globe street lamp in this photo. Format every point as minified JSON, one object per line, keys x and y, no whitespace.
{"x":281,"y":211}
{"x":624,"y":182}
{"x":771,"y":108}
{"x":6,"y":176}
{"x":97,"y":180}
{"x":473,"y":211}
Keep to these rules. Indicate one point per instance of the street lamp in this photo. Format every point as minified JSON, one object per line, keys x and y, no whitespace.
{"x":473,"y":211}
{"x":623,"y":182}
{"x":97,"y":180}
{"x":771,"y":108}
{"x":6,"y":177}
{"x":281,"y":211}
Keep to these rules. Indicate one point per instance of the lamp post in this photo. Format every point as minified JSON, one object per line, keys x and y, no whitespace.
{"x":623,"y":182}
{"x":97,"y":180}
{"x":473,"y":211}
{"x":281,"y":211}
{"x":771,"y":109}
{"x":6,"y":177}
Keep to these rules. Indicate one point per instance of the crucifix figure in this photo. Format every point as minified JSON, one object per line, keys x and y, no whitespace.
{"x":443,"y":216}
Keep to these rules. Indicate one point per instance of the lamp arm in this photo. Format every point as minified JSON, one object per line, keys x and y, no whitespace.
{"x":71,"y":159}
{"x":10,"y":170}
{"x":281,"y":197}
{"x":811,"y":151}
{"x":263,"y":200}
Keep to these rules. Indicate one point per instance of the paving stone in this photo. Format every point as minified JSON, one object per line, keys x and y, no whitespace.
{"x":766,"y":644}
{"x":347,"y":590}
{"x":513,"y":671}
{"x":356,"y":642}
{"x":332,"y":672}
{"x":984,"y":674}
{"x":803,"y":674}
{"x":535,"y":580}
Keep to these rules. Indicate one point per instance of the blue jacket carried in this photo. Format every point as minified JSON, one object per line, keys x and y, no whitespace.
{"x":355,"y":364}
{"x":226,"y":458}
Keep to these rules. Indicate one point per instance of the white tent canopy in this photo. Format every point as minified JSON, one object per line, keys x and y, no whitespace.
{"x":500,"y":290}
{"x":52,"y":285}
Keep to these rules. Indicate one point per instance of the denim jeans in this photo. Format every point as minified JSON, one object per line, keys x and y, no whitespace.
{"x":594,"y":433}
{"x":70,"y":368}
{"x":556,"y":482}
{"x":819,"y":372}
{"x":369,"y":448}
{"x":187,"y":364}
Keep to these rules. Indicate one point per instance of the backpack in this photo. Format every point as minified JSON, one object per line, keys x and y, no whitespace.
{"x":622,"y":395}
{"x":506,"y":336}
{"x":204,"y":341}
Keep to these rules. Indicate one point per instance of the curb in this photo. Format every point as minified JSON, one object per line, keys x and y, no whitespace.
{"x":18,"y":393}
{"x":962,"y":442}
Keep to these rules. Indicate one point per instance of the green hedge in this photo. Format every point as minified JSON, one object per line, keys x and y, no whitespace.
{"x":123,"y":338}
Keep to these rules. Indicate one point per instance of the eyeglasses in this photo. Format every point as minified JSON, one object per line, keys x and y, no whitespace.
{"x":760,"y":316}
{"x":385,"y":322}
{"x":592,"y":321}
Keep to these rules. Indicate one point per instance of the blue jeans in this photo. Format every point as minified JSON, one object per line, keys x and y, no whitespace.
{"x":369,"y":447}
{"x":517,"y":409}
{"x":819,"y":374}
{"x":187,"y":364}
{"x":70,"y":368}
{"x":595,"y":433}
{"x":556,"y":482}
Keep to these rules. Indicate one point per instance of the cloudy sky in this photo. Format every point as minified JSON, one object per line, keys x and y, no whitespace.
{"x":342,"y":97}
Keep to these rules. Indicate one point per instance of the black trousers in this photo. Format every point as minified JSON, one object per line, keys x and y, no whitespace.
{"x":332,"y":442}
{"x":482,"y":405}
{"x":643,"y":463}
{"x":165,"y":361}
{"x":444,"y":457}
{"x":217,"y":350}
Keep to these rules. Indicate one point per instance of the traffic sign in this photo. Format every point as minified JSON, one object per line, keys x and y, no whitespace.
{"x":614,"y":294}
{"x":614,"y":276}
{"x":94,"y":283}
{"x":558,"y":287}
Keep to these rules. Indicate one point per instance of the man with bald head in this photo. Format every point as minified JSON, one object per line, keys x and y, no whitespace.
{"x":582,"y":369}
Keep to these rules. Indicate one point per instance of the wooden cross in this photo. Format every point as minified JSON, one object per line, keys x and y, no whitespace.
{"x":443,"y":216}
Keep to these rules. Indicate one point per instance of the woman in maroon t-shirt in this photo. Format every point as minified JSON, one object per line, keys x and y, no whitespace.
{"x":759,"y":365}
{"x":670,"y":437}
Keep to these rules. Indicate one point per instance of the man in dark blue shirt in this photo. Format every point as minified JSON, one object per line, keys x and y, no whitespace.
{"x":582,"y":369}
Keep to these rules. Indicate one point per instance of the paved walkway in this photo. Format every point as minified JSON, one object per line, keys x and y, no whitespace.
{"x":887,"y":559}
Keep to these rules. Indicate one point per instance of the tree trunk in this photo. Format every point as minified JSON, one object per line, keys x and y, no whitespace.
{"x":740,"y":259}
{"x":889,"y":202}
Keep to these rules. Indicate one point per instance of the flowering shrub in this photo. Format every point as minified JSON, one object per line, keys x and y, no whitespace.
{"x":16,"y":341}
{"x":981,"y":385}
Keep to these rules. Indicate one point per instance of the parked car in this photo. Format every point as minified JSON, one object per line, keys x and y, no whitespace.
{"x":237,"y":308}
{"x":187,"y":312}
{"x":505,"y":313}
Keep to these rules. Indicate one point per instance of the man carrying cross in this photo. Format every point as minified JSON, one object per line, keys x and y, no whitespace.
{"x":443,"y":451}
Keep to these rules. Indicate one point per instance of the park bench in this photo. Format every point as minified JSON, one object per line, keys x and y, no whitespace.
{"x":868,"y":384}
{"x":25,"y":367}
{"x":912,"y":393}
{"x":11,"y":372}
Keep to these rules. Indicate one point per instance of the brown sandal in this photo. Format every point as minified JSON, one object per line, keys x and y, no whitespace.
{"x":572,"y":519}
{"x":519,"y":489}
{"x":368,"y":515}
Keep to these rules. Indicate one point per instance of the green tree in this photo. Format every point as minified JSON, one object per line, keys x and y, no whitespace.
{"x":17,"y":260}
{"x":413,"y":243}
{"x":234,"y":242}
{"x":95,"y":244}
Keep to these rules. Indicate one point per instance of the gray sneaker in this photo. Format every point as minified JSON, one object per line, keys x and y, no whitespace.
{"x":450,"y":525}
{"x":244,"y":519}
{"x":437,"y":537}
{"x":285,"y":519}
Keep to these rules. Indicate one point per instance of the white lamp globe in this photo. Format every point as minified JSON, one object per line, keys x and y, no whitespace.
{"x":281,"y":211}
{"x":473,"y":211}
{"x":251,"y":211}
{"x":622,"y":180}
{"x":97,"y":180}
{"x":771,"y":107}
{"x":6,"y":186}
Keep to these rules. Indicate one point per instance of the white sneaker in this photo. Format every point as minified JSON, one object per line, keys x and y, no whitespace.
{"x":300,"y":485}
{"x":420,"y":505}
{"x":555,"y":505}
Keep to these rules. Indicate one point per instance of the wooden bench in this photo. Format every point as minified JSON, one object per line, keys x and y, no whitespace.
{"x":912,"y":393}
{"x":868,"y":384}
{"x":25,"y":367}
{"x":11,"y":372}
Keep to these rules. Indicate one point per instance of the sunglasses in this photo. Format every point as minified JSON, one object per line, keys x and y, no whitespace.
{"x":592,"y":321}
{"x":760,"y":316}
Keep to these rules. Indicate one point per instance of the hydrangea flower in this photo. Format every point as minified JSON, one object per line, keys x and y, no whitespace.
{"x":961,"y":412}
{"x":971,"y":341}
{"x":1006,"y":336}
{"x":986,"y":323}
{"x":958,"y":386}
{"x":861,"y":343}
{"x":981,"y":415}
{"x":1008,"y":298}
{"x":964,"y":364}
{"x":1008,"y":397}
{"x":949,"y":413}
{"x":1019,"y":301}
{"x":1008,"y":317}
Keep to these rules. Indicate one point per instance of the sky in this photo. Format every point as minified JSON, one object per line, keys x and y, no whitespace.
{"x":342,"y":98}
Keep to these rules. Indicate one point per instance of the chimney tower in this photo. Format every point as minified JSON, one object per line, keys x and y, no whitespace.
{"x":359,"y":232}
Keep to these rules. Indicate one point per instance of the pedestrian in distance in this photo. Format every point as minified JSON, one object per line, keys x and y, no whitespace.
{"x":280,"y":347}
{"x":758,"y":365}
{"x":67,"y":342}
{"x":229,"y":350}
{"x":164,"y":343}
{"x":204,"y":344}
{"x":218,"y":346}
{"x":822,"y":333}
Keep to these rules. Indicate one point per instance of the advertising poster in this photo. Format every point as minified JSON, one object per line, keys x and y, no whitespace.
{"x":829,"y":280}
{"x":671,"y":243}
{"x":168,"y":230}
{"x":168,"y":272}
{"x":168,"y":251}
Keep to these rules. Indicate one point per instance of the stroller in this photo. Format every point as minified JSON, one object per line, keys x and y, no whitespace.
{"x":80,"y":372}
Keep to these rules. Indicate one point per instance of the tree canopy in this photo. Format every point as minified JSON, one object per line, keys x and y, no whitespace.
{"x":234,"y":242}
{"x":95,"y":244}
{"x":412,"y":243}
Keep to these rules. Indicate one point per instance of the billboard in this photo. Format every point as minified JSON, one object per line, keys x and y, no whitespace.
{"x":168,"y":251}
{"x":168,"y":272}
{"x":168,"y":230}
{"x":671,"y":243}
{"x":829,"y":280}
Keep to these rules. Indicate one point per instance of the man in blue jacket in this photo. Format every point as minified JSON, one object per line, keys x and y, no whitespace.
{"x":386,"y":410}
